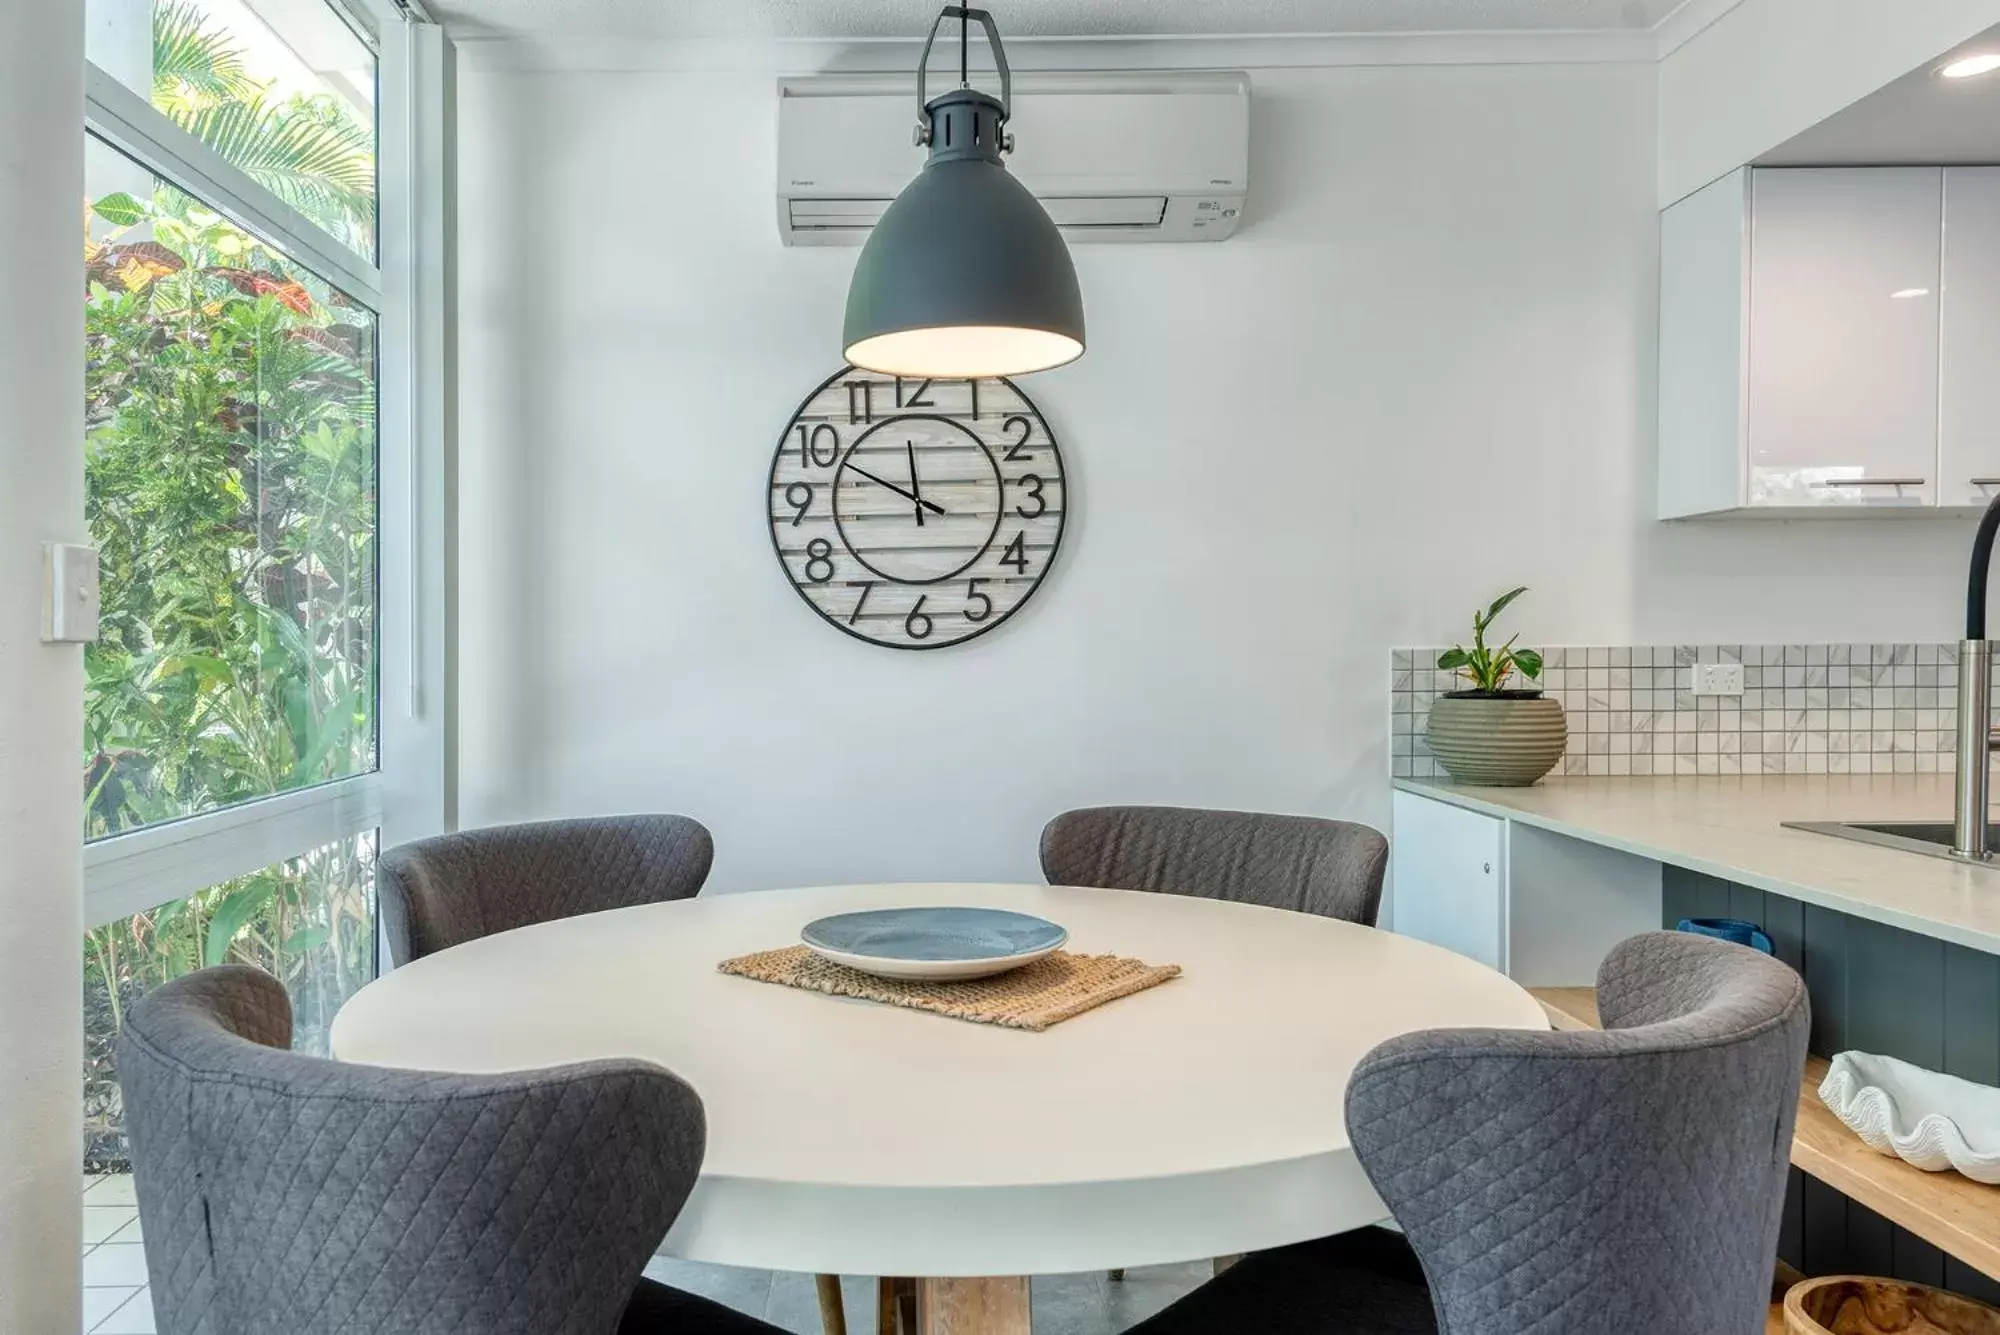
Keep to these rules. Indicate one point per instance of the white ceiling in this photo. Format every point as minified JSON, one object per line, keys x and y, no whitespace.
{"x":656,"y":19}
{"x":1920,"y":118}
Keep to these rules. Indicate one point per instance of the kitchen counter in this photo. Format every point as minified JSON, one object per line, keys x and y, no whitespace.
{"x":1730,"y":827}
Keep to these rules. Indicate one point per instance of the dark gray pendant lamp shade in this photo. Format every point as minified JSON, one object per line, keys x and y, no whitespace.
{"x":966,"y":275}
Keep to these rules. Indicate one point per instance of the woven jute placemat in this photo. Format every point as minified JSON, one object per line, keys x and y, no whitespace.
{"x":1054,"y":988}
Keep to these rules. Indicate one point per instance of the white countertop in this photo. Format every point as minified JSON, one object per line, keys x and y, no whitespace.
{"x":1731,"y":828}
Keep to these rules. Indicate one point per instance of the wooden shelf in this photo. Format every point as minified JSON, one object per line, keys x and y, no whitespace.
{"x":1953,"y":1213}
{"x":1569,"y":1007}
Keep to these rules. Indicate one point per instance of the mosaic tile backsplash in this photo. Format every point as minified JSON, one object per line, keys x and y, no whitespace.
{"x":1805,"y":709}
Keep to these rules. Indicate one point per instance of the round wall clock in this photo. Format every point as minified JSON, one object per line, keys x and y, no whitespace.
{"x":916,"y":513}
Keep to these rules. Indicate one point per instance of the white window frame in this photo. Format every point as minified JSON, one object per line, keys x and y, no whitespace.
{"x":409,"y":794}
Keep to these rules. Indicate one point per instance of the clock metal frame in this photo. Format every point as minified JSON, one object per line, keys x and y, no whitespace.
{"x":922,"y":412}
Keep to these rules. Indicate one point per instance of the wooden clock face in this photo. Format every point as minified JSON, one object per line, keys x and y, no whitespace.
{"x":916,"y":513}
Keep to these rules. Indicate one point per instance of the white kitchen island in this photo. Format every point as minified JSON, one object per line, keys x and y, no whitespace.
{"x":1539,"y":882}
{"x":1900,"y":953}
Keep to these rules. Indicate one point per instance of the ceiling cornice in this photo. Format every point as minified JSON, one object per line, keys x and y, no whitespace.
{"x":1688,"y":22}
{"x":1250,"y":51}
{"x":792,"y":56}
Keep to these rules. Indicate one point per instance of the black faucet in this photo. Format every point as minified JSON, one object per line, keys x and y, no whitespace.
{"x":1975,"y":701}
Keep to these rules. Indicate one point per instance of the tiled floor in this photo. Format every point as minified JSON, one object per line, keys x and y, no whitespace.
{"x":115,"y":1301}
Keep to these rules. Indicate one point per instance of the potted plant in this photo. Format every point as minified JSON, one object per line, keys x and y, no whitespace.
{"x":1487,"y":733}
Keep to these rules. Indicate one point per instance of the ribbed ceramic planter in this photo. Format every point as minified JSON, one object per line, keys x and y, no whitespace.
{"x":1502,"y":741}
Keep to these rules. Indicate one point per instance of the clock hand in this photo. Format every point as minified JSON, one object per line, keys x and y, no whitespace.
{"x":906,"y":495}
{"x":916,"y":487}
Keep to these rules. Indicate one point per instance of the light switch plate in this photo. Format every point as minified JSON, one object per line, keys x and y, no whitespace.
{"x":70,"y":601}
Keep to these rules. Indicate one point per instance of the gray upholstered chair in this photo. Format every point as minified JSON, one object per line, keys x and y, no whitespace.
{"x":1329,"y":867}
{"x":285,"y":1193}
{"x":1304,"y":863}
{"x":454,"y":888}
{"x":1560,"y":1183}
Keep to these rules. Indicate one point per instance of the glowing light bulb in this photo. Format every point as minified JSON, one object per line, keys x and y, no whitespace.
{"x":1970,"y":67}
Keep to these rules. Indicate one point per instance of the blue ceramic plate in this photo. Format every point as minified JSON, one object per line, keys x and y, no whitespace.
{"x":940,"y":943}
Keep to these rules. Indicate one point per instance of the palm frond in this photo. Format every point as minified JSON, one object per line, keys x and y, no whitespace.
{"x":193,"y":65}
{"x":322,"y":165}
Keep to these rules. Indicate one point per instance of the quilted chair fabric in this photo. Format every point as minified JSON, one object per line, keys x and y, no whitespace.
{"x":453,"y":888}
{"x":1303,"y":863}
{"x":282,"y":1194}
{"x":1561,"y":1183}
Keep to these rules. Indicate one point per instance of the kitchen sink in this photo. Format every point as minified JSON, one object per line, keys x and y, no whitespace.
{"x":1931,"y":838}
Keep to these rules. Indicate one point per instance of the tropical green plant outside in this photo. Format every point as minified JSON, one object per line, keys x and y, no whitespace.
{"x":230,"y":457}
{"x":1486,"y":667}
{"x":314,"y":153}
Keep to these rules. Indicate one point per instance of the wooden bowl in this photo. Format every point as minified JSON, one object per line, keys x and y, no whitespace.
{"x":1863,"y":1305}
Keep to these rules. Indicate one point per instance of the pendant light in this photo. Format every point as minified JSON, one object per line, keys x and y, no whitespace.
{"x":966,"y":275}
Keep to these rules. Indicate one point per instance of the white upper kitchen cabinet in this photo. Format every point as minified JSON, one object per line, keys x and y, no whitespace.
{"x":1844,"y":276}
{"x":1969,"y":394}
{"x":1799,"y":345}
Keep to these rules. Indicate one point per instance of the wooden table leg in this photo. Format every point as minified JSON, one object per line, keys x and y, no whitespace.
{"x":973,"y":1306}
{"x":832,"y":1311}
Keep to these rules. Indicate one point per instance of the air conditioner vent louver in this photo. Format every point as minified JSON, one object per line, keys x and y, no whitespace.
{"x":1070,"y":212}
{"x":1140,"y":157}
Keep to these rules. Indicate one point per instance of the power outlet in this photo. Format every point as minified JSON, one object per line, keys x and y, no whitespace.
{"x":1716,"y":678}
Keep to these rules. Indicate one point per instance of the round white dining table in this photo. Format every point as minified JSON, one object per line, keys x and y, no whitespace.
{"x":1199,"y":1118}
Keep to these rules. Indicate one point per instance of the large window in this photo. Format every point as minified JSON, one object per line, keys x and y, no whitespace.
{"x":282,"y":89}
{"x":231,"y":492}
{"x":308,"y":921}
{"x":256,"y":455}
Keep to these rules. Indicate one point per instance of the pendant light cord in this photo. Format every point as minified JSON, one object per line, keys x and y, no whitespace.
{"x":964,"y":78}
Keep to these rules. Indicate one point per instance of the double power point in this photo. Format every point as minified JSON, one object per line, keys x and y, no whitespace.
{"x":1716,"y":679}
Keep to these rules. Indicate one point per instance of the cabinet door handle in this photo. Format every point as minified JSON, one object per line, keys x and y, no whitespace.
{"x":1984,"y":481}
{"x":1876,"y":482}
{"x":1486,"y":867}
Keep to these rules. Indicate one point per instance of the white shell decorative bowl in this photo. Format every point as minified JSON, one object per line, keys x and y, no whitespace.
{"x":1932,"y":1120}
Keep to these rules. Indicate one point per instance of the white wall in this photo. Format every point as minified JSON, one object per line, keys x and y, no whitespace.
{"x":41,"y":686}
{"x":1769,"y":69}
{"x":1423,"y":371}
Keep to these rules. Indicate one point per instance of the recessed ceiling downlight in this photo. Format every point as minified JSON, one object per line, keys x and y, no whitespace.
{"x":1970,"y":67}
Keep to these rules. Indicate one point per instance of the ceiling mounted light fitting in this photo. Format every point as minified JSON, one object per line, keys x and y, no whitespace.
{"x":966,"y":275}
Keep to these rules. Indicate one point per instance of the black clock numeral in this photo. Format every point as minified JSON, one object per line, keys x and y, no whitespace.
{"x":819,"y":557}
{"x":973,"y":595}
{"x":975,"y":399}
{"x":917,"y":625}
{"x":810,"y":441}
{"x":1016,"y":554}
{"x":1017,"y":450}
{"x":1034,"y":485}
{"x":916,"y":399}
{"x":799,"y":495}
{"x":860,"y":602}
{"x":860,"y":392}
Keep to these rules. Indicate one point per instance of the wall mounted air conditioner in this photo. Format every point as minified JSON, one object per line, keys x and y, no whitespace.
{"x":1113,"y":157}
